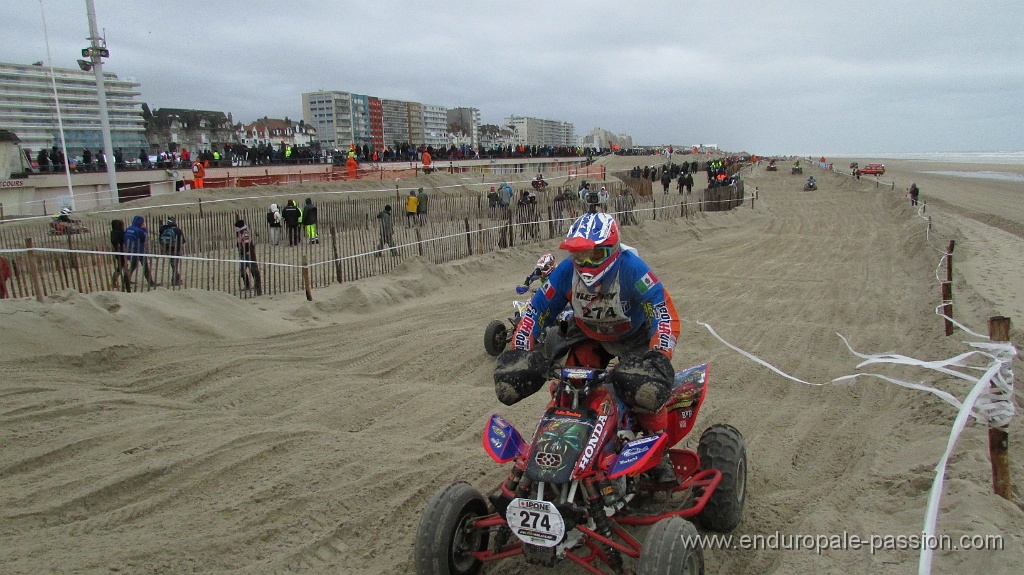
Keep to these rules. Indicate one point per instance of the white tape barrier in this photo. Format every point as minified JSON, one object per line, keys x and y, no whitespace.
{"x":990,"y":401}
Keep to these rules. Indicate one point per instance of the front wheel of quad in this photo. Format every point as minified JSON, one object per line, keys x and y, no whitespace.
{"x":671,"y":548}
{"x":445,"y":540}
{"x":495,"y":337}
{"x":722,"y":447}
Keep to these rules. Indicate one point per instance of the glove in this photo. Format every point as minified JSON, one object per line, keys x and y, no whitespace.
{"x":644,"y":380}
{"x":518,"y":373}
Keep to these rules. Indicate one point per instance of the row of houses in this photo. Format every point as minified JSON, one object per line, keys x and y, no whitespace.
{"x":331,"y":120}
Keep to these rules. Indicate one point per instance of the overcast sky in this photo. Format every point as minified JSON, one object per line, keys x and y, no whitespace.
{"x":787,"y":77}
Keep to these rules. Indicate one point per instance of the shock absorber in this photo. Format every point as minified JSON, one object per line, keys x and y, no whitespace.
{"x":595,"y":506}
{"x":512,"y":481}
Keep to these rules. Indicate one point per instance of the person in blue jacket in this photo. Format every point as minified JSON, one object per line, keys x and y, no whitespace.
{"x":135,"y":244}
{"x":617,"y":302}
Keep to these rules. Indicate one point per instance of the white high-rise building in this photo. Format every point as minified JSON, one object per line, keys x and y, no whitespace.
{"x":27,"y":109}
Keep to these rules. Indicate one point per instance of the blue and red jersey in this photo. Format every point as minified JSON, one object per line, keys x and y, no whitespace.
{"x":625,"y":301}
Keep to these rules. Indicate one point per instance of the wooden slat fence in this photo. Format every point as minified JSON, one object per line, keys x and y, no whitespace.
{"x":455,"y":226}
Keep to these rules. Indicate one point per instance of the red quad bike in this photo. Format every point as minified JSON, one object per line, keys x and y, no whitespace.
{"x":570,"y":492}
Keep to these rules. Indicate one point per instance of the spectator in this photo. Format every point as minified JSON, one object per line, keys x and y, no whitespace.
{"x":171,"y":240}
{"x":247,"y":268}
{"x":412,"y":206}
{"x":914,"y":192}
{"x":135,"y":245}
{"x":292,"y":218}
{"x":144,"y":158}
{"x":492,"y":202}
{"x":274,"y":222}
{"x":427,"y":162}
{"x":86,"y":160}
{"x":309,"y":220}
{"x":387,"y":232}
{"x":198,"y":174}
{"x":421,"y":206}
{"x":504,"y":197}
{"x":43,"y":159}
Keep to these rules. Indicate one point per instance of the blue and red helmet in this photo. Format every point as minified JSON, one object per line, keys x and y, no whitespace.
{"x":593,"y":246}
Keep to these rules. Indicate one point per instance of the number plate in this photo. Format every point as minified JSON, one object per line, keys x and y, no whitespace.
{"x":535,"y":522}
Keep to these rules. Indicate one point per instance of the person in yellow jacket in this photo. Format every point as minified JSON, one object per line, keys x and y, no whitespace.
{"x":412,"y":205}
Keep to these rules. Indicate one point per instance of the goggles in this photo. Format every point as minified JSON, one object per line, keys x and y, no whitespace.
{"x":593,"y":257}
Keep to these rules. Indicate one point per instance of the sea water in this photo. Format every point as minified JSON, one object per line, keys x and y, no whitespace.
{"x":1015,"y":159}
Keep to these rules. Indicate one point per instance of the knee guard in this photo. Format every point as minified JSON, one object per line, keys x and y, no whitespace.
{"x":643,"y":381}
{"x":518,"y":374}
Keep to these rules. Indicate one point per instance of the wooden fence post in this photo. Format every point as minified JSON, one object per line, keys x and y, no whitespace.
{"x":337,"y":259}
{"x":469,"y":237}
{"x":947,"y":290}
{"x":998,"y":437}
{"x":305,"y":278}
{"x":33,"y":270}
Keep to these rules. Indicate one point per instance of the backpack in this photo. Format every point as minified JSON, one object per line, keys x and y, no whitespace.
{"x":168,"y":238}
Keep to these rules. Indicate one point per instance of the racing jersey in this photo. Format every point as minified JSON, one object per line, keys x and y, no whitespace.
{"x":616,"y":308}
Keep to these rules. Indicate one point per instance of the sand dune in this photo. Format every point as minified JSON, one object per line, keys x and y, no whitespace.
{"x":276,"y":435}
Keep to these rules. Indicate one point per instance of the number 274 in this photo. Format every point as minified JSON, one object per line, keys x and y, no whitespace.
{"x":534,"y":520}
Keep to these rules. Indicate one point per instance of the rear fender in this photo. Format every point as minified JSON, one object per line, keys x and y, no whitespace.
{"x":688,"y":392}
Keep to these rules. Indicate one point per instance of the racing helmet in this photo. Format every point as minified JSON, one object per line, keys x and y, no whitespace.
{"x":66,"y":211}
{"x":546,"y":265}
{"x":593,"y":246}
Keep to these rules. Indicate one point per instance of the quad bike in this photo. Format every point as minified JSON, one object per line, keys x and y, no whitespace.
{"x":62,"y":228}
{"x":810,"y":186}
{"x":772,"y":167}
{"x":582,"y":479}
{"x":497,"y":335}
{"x":797,"y":170}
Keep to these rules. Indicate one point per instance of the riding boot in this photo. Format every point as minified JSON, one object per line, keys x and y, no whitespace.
{"x":653,"y":423}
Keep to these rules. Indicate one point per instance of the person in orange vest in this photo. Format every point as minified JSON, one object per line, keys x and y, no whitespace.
{"x":427,"y":161}
{"x":352,"y":165}
{"x":198,"y":174}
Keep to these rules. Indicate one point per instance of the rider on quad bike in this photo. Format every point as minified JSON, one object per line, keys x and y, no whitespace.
{"x":620,"y":310}
{"x":61,"y":223}
{"x":545,"y":265}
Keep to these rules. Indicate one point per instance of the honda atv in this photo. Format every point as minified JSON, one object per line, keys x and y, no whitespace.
{"x":575,"y":487}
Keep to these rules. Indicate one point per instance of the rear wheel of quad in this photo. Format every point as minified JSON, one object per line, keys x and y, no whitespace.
{"x":444,"y":541}
{"x":671,"y":548}
{"x":495,"y":337}
{"x":722,"y":447}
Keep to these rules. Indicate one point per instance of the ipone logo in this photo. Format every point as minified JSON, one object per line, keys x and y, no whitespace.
{"x":532,"y":504}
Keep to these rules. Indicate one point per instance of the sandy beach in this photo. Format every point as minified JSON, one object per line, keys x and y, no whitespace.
{"x":193,"y":432}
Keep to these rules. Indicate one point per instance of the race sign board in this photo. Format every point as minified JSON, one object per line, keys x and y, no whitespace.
{"x":535,"y":522}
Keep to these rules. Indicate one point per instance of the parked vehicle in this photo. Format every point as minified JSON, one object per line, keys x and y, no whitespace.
{"x":873,"y":169}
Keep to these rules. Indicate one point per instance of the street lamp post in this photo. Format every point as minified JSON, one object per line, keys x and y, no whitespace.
{"x":96,"y":52}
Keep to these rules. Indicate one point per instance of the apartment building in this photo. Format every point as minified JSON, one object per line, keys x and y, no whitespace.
{"x":538,"y":132}
{"x":331,"y":114}
{"x":466,"y":121}
{"x":28,"y":109}
{"x":435,"y":126}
